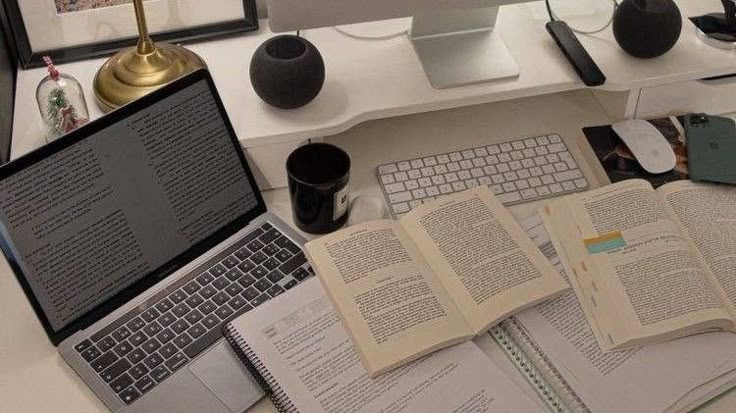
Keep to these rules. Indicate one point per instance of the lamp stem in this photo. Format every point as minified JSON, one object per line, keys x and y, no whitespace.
{"x":145,"y":44}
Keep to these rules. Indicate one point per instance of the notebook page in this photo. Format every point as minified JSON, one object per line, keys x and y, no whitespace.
{"x":299,"y":339}
{"x":652,"y":377}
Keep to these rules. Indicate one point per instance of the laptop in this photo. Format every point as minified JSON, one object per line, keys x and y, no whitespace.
{"x":136,"y":238}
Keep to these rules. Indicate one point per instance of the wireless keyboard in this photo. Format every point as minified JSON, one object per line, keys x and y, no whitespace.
{"x":517,"y":171}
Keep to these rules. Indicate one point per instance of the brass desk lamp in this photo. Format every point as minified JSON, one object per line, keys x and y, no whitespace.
{"x":136,"y":71}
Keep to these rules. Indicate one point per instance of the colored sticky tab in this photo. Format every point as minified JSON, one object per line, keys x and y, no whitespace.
{"x":605,"y":242}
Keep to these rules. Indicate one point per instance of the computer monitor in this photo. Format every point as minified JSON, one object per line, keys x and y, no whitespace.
{"x":455,"y":40}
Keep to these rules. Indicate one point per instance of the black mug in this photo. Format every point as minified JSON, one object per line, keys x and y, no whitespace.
{"x":318,"y":185}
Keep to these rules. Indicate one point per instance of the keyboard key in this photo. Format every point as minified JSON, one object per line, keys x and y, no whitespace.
{"x":196,"y":331}
{"x":243,"y":253}
{"x":192,"y":287}
{"x":250,"y":293}
{"x":166,"y":319}
{"x":231,"y":261}
{"x":160,"y":373}
{"x":177,"y":296}
{"x":150,"y":315}
{"x":137,"y":339}
{"x":246,"y":266}
{"x":255,"y":245}
{"x":121,"y":334}
{"x":258,"y":257}
{"x":568,"y":186}
{"x":193,"y":316}
{"x":222,"y":297}
{"x":300,"y":274}
{"x":90,"y":354}
{"x":283,"y":255}
{"x":528,"y":193}
{"x":289,"y":285}
{"x":176,"y":361}
{"x":151,"y":345}
{"x":401,"y":176}
{"x":234,"y":274}
{"x":194,"y":300}
{"x":208,"y":291}
{"x":153,"y":360}
{"x":123,"y":348}
{"x":138,"y":371}
{"x":152,"y":329}
{"x":404,"y":196}
{"x":269,"y":236}
{"x":581,"y":183}
{"x":218,"y":270}
{"x":237,"y":302}
{"x":180,"y":310}
{"x":115,"y":369}
{"x":234,"y":289}
{"x":182,"y":340}
{"x":567,"y":175}
{"x":168,"y":350}
{"x":179,"y":326}
{"x":387,"y":179}
{"x":271,"y":249}
{"x":104,"y":361}
{"x":165,"y":336}
{"x":509,"y":197}
{"x":275,"y":290}
{"x":129,"y":395}
{"x":266,"y":226}
{"x":555,"y":188}
{"x":262,"y":284}
{"x":275,"y":276}
{"x":543,"y":191}
{"x":212,"y":321}
{"x":388,"y":168}
{"x":260,"y":300}
{"x":145,"y":384}
{"x":205,"y":278}
{"x":121,"y":383}
{"x":136,"y":355}
{"x":208,"y":306}
{"x":164,"y":305}
{"x":83,"y":345}
{"x":106,"y":343}
{"x":224,"y":312}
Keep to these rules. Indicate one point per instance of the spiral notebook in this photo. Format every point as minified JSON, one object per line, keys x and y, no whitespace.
{"x":306,"y":362}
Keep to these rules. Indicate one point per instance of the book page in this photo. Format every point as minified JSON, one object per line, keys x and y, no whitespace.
{"x":653,"y":378}
{"x":392,"y":304}
{"x":708,"y":214}
{"x":486,"y":262}
{"x":633,"y":266}
{"x":299,"y":339}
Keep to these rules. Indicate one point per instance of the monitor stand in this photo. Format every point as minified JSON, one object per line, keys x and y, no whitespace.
{"x":461,"y":47}
{"x":456,"y":47}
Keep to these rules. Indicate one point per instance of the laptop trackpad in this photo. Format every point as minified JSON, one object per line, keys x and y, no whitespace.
{"x":227,"y":378}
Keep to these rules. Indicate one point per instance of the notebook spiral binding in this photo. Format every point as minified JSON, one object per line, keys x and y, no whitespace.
{"x":264,"y":378}
{"x":529,"y":359}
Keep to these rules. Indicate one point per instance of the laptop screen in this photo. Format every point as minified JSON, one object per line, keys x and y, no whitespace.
{"x":88,"y":221}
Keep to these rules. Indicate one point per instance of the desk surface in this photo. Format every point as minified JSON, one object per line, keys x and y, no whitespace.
{"x":378,"y":79}
{"x":33,"y":377}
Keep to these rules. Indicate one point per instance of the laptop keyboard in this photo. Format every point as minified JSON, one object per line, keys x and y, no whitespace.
{"x":144,"y":347}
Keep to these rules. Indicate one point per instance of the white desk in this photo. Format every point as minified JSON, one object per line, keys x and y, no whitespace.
{"x":379,"y":79}
{"x":34,"y":378}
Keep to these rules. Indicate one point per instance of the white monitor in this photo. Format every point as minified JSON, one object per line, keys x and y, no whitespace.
{"x":455,"y":40}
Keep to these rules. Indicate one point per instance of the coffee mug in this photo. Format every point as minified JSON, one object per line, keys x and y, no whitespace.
{"x":318,"y":175}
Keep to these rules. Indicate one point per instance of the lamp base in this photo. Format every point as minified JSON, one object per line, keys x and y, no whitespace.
{"x":130,"y":74}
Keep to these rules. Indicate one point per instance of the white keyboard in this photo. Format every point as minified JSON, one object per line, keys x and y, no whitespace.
{"x":517,"y":171}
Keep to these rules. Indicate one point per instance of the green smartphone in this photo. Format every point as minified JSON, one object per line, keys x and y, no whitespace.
{"x":711,"y":148}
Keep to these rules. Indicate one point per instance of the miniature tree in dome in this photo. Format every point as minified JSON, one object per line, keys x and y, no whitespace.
{"x":61,"y":102}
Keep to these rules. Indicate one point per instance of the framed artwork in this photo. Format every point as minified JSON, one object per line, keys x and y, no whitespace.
{"x":70,"y":30}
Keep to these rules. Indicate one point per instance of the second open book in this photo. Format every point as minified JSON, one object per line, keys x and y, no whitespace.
{"x":444,"y":273}
{"x":649,"y":265}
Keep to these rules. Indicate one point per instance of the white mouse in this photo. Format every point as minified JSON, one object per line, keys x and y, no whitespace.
{"x":650,"y":148}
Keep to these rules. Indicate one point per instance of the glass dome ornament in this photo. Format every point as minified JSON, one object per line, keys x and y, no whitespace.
{"x":61,"y":102}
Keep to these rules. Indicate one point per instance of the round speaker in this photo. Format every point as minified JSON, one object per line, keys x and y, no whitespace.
{"x":287,"y":71}
{"x":647,"y":28}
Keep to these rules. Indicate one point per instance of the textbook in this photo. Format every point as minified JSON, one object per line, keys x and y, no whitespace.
{"x":442,"y":274}
{"x":649,"y":265}
{"x":298,"y":350}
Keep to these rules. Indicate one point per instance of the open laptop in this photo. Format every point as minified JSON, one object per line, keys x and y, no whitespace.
{"x":136,"y":237}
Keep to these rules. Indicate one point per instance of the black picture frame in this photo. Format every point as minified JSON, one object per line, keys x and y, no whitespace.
{"x":8,"y":70}
{"x":29,"y":58}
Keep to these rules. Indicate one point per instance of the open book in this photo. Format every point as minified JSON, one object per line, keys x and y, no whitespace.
{"x":446,"y":272}
{"x":649,"y":265}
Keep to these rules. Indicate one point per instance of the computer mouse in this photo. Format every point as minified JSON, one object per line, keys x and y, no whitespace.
{"x":650,"y":148}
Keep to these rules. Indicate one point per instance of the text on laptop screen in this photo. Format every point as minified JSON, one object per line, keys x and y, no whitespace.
{"x":99,"y":215}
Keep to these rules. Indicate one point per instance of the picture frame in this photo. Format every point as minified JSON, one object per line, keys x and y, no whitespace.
{"x":69,"y":30}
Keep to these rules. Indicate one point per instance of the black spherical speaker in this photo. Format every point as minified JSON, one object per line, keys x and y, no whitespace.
{"x":287,"y":71}
{"x":647,"y":28}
